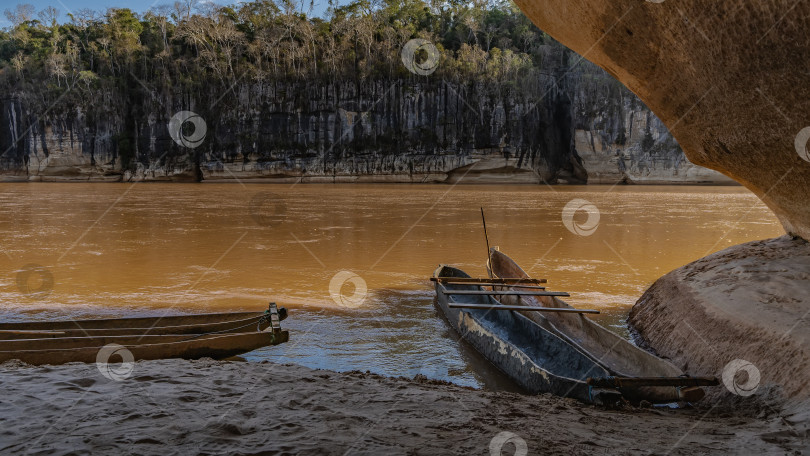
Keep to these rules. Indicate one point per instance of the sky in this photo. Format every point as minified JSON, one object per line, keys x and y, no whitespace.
{"x":65,"y":6}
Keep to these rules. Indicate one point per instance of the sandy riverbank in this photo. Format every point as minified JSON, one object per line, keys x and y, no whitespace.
{"x":210,"y":407}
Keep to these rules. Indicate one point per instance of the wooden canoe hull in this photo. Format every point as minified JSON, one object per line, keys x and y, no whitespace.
{"x":152,"y":326}
{"x":533,"y":357}
{"x":133,"y":322}
{"x":156,"y":347}
{"x":614,"y":353}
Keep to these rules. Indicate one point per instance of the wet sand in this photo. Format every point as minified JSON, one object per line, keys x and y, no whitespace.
{"x":214,"y":407}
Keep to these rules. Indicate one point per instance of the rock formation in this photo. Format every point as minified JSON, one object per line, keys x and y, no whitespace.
{"x":746,"y":302}
{"x":577,"y":126}
{"x":727,"y":78}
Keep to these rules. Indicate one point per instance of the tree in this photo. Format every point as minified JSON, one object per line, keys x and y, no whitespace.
{"x":20,"y":14}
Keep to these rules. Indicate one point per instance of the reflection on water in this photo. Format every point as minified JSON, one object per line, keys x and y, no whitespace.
{"x":114,"y":249}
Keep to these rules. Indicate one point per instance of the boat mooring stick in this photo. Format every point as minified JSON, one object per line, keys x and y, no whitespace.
{"x":486,"y":238}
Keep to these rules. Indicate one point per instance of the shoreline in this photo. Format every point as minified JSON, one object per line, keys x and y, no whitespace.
{"x":317,"y":180}
{"x":206,"y":407}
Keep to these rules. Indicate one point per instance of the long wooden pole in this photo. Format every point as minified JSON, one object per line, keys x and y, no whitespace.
{"x":527,"y":308}
{"x":489,"y":284}
{"x":505,"y":293}
{"x":619,"y":382}
{"x":486,"y":238}
{"x":506,"y":280}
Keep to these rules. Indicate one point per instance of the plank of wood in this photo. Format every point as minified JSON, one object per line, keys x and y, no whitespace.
{"x":488,"y":280}
{"x":538,"y":309}
{"x":506,"y":293}
{"x":506,"y":285}
{"x":620,"y":382}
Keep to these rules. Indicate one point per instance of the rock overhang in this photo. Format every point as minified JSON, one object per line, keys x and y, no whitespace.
{"x":727,"y":78}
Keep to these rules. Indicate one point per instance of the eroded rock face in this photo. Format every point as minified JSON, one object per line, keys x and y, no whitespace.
{"x":415,"y":132}
{"x":748,"y":302}
{"x":573,"y":127}
{"x":729,"y":79}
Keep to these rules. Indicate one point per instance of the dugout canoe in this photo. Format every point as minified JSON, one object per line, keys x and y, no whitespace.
{"x":606,"y":348}
{"x":216,"y":336}
{"x":230,"y":322}
{"x":87,"y":350}
{"x":535,"y":358}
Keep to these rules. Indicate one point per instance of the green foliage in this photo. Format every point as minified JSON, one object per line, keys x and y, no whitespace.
{"x":266,"y":39}
{"x":117,"y":59}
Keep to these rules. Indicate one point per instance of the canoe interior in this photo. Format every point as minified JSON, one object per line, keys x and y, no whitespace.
{"x":617,"y":355}
{"x":97,"y":342}
{"x":555,"y":366}
{"x":240,"y":325}
{"x":134,"y":322}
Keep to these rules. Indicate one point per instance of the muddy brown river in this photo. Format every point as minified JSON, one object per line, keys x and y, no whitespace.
{"x":351,"y":262}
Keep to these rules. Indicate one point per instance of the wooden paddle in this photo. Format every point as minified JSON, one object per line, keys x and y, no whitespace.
{"x":621,"y":382}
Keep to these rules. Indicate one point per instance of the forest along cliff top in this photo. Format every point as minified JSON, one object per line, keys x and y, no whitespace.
{"x":280,"y":97}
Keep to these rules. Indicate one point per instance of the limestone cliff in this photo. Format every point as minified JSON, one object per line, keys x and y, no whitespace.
{"x":574,"y":127}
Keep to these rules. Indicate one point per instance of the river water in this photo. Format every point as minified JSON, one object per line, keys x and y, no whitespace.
{"x":85,"y":250}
